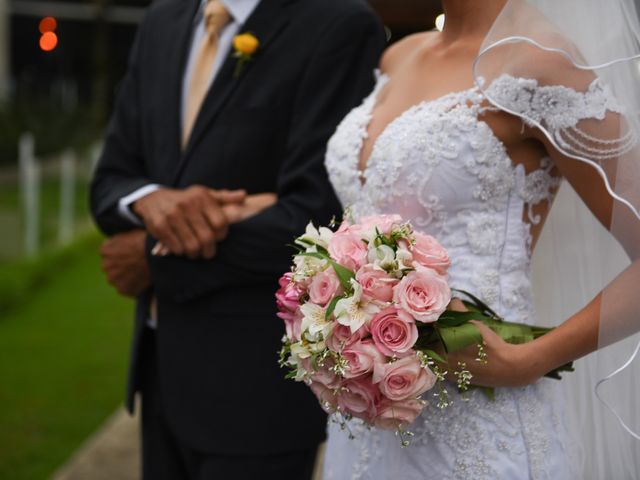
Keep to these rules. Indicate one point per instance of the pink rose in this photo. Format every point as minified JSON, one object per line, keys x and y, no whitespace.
{"x":384,"y":223}
{"x":288,"y":296}
{"x":288,"y":301}
{"x":428,"y":252}
{"x":344,"y":227}
{"x":360,"y":398}
{"x":361,"y":357}
{"x":324,"y":286}
{"x":324,"y":375}
{"x":326,"y":396}
{"x":348,"y":250}
{"x":394,"y":331}
{"x":321,"y":374}
{"x":376,"y":283}
{"x":341,"y":336}
{"x":394,"y":415}
{"x":404,"y":378}
{"x":423,"y":293}
{"x":293,"y":324}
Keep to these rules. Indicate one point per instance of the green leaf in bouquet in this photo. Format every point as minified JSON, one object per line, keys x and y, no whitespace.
{"x":302,"y":241}
{"x":297,"y":248}
{"x":451,"y":318}
{"x":427,"y":336}
{"x":537,"y":332}
{"x":318,"y":255}
{"x":344,"y":275}
{"x":556,"y":373}
{"x":460,"y":337}
{"x":435,"y":356}
{"x":515,"y":333}
{"x":384,"y":240}
{"x":332,"y":306}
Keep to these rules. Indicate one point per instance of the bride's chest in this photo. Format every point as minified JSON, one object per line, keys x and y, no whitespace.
{"x":434,"y":150}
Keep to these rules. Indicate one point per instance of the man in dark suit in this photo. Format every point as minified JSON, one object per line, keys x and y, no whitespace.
{"x":203,"y":125}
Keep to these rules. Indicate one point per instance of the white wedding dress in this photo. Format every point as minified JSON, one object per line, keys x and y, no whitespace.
{"x":441,"y":167}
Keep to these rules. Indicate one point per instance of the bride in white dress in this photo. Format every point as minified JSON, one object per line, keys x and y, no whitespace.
{"x":476,"y":162}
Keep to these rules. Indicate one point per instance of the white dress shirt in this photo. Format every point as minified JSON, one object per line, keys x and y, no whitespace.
{"x":240,"y":10}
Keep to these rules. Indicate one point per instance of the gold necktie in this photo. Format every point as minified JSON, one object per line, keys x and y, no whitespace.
{"x":216,"y":18}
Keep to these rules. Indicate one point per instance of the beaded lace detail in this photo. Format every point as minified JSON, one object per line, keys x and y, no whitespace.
{"x":560,"y":110}
{"x":439,"y":166}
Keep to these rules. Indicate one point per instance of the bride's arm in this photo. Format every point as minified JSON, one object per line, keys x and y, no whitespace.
{"x":617,"y":307}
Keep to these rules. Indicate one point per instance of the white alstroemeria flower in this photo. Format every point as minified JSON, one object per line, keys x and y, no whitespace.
{"x":295,"y":360}
{"x":318,"y":347}
{"x":404,"y":257}
{"x":306,"y":267}
{"x":370,"y":235}
{"x":314,"y":321}
{"x":355,"y":311}
{"x":315,"y":236}
{"x":383,"y":257}
{"x":299,"y":351}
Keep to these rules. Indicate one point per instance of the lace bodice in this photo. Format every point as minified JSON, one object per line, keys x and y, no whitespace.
{"x":440,"y":166}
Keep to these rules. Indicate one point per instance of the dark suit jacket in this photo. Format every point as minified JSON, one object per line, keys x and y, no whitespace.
{"x":265,"y":131}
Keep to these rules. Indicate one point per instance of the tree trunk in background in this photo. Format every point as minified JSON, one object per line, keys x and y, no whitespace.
{"x":4,"y":49}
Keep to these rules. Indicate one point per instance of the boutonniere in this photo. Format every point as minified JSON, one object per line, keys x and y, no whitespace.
{"x":245,"y":45}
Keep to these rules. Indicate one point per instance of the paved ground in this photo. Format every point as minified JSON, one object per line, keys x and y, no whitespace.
{"x":109,"y":454}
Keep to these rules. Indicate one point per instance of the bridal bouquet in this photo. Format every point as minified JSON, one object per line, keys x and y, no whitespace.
{"x":367,"y":321}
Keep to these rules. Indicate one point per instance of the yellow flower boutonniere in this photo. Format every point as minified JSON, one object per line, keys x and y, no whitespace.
{"x":245,"y":45}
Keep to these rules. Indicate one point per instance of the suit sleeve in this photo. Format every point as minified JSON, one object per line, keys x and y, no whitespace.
{"x":120,"y":170}
{"x":337,"y":77}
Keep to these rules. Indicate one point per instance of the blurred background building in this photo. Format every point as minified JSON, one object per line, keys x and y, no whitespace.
{"x":77,"y":59}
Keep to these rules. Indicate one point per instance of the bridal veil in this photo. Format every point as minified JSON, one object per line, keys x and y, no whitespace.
{"x":562,"y":51}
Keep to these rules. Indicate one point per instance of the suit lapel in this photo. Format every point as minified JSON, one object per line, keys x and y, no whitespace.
{"x":266,"y":22}
{"x":181,"y":30}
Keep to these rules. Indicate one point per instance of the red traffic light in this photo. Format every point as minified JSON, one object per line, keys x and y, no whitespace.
{"x":48,"y":41}
{"x":48,"y":24}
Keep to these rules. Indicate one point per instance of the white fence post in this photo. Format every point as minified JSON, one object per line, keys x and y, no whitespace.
{"x":30,"y":191}
{"x":94,"y":157}
{"x":66,"y":219}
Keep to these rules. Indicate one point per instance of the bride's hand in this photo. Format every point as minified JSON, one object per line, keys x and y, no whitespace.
{"x":506,"y":365}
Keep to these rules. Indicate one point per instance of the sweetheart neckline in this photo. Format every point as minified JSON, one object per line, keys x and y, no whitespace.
{"x":383,"y":80}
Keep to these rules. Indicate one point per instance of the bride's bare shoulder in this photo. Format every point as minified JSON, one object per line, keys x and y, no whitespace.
{"x":401,"y":50}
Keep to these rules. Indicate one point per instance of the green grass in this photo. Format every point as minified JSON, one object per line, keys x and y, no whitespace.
{"x":20,"y":278}
{"x":63,"y":356}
